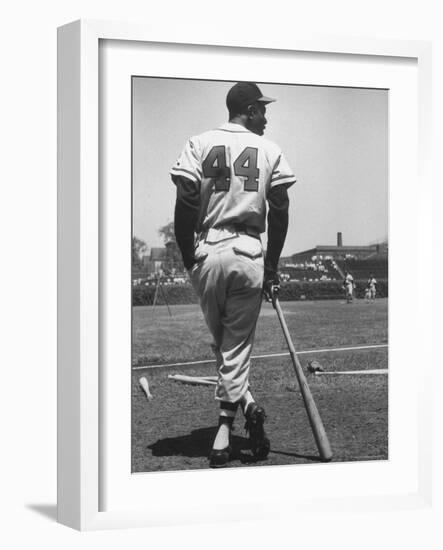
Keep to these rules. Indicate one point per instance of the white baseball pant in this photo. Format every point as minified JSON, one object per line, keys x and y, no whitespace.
{"x":228,"y":279}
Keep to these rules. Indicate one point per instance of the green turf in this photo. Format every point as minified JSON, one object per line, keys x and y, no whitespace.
{"x":175,"y":430}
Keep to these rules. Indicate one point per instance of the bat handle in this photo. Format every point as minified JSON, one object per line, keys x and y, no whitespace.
{"x":274,"y":295}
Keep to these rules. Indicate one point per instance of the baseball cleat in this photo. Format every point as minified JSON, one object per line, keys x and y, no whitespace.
{"x":219,"y":457}
{"x":255,"y":419}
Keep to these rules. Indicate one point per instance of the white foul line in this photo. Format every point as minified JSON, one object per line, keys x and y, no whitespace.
{"x":266,"y":355}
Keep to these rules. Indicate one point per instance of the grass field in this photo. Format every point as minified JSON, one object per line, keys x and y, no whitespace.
{"x":175,"y":430}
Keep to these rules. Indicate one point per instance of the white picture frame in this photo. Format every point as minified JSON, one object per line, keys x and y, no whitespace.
{"x":79,"y":259}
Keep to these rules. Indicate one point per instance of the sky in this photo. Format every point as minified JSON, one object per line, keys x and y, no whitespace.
{"x":335,"y":140}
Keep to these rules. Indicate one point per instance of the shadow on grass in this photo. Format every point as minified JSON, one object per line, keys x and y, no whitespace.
{"x":297,"y":455}
{"x":198,"y":444}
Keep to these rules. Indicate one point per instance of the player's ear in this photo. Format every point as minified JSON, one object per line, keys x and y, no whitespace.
{"x":251,"y":110}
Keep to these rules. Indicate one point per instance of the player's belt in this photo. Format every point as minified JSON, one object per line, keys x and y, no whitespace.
{"x":219,"y":234}
{"x":251,"y":231}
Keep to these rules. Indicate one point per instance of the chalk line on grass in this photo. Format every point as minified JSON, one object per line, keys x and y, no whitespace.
{"x":264,"y":356}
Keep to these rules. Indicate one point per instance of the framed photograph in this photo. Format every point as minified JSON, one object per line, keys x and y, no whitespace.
{"x":345,"y":195}
{"x":143,"y":399}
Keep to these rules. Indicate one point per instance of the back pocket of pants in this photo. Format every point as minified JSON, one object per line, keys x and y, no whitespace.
{"x":247,"y":253}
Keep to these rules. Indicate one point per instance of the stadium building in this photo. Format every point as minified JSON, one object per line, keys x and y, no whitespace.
{"x":328,"y":262}
{"x":341,"y":252}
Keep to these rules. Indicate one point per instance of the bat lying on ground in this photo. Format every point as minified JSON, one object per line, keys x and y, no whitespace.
{"x":367,"y":371}
{"x":144,"y":384}
{"x":194,"y":380}
{"x":317,"y":427}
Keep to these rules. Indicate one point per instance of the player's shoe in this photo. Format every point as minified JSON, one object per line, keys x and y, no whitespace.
{"x":254,"y":426}
{"x":219,"y":457}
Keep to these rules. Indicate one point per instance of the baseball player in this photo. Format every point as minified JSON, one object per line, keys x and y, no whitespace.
{"x":224,"y":178}
{"x":348,"y":285}
{"x":367,"y":294}
{"x":371,"y":289}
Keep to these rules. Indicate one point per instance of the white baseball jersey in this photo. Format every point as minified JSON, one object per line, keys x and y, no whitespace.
{"x":371,"y":283}
{"x":349,"y":281}
{"x":234,"y":169}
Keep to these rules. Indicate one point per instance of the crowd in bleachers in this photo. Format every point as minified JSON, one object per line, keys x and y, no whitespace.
{"x":325,"y":268}
{"x":319,"y":268}
{"x":362,"y":268}
{"x":166,"y":277}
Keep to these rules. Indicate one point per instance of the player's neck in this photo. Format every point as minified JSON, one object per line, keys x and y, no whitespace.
{"x":238,"y":120}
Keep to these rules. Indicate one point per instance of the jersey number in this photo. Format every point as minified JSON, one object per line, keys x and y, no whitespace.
{"x":215,"y":166}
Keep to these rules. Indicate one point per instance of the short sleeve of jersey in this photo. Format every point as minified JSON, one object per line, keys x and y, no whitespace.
{"x":282,"y":173}
{"x":188,"y":165}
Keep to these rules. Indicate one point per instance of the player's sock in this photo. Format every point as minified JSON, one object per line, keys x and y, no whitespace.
{"x":225,"y":421}
{"x":222,"y":438}
{"x":246,"y":400}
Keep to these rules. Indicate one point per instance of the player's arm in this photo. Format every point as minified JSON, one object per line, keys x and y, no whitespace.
{"x":278,"y":217}
{"x":186,"y":217}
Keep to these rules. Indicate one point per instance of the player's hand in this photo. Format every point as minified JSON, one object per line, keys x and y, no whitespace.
{"x":271,"y":285}
{"x":189,"y":263}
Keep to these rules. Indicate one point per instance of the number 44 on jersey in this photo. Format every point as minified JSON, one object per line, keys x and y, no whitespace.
{"x":215,"y":166}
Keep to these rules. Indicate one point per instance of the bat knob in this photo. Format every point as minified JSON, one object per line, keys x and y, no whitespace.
{"x":274,"y":290}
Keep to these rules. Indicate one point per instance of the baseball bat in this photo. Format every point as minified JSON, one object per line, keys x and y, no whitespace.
{"x":315,"y":420}
{"x":196,"y":380}
{"x":144,"y":384}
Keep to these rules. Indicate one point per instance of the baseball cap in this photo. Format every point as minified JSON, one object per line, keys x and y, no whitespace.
{"x":243,"y":94}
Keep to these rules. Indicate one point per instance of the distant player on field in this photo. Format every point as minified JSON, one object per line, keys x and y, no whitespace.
{"x":371,"y":289}
{"x":348,"y":286}
{"x":224,"y":178}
